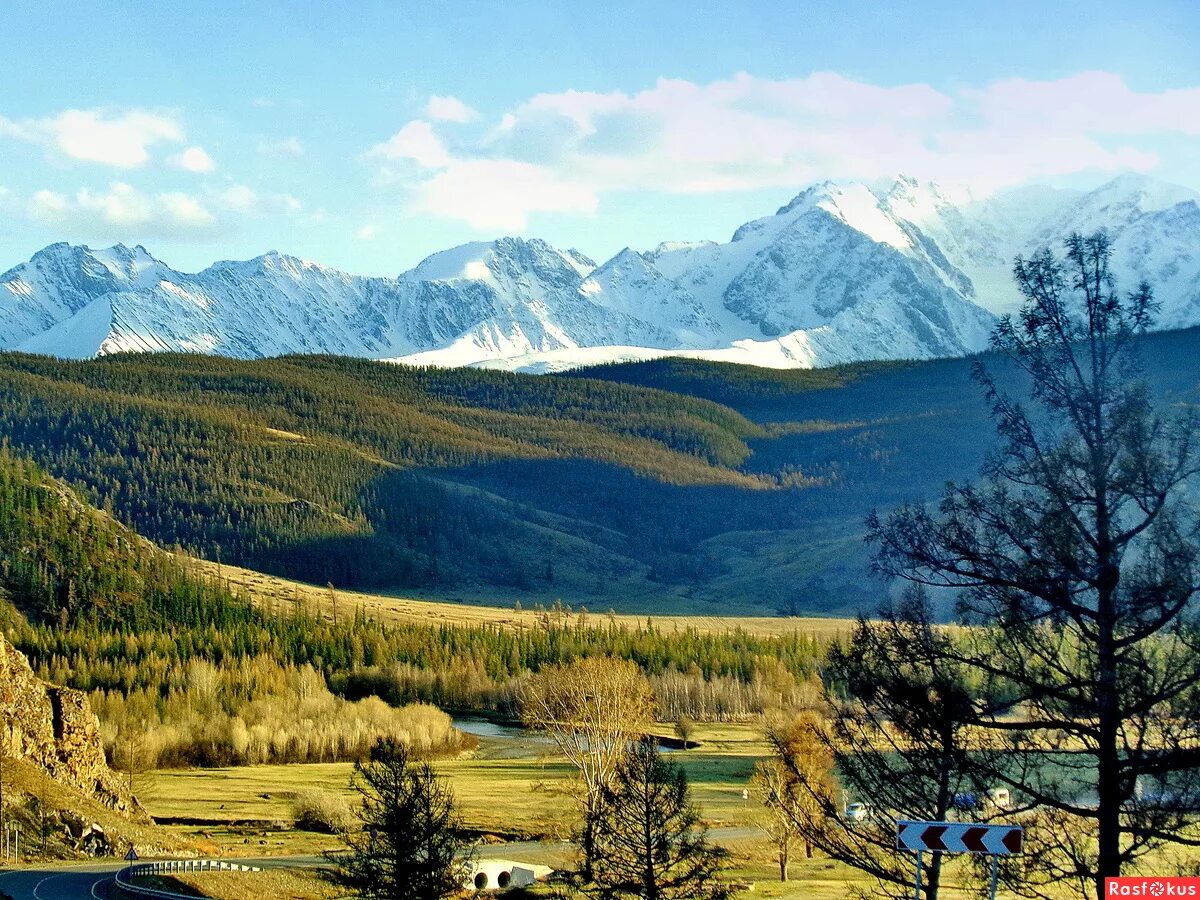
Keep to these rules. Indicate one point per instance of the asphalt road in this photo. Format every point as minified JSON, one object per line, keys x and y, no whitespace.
{"x":73,"y":882}
{"x":93,"y":881}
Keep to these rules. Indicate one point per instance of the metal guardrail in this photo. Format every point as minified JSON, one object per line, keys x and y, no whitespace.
{"x":125,"y":878}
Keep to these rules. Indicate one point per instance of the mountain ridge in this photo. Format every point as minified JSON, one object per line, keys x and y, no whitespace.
{"x":841,"y":273}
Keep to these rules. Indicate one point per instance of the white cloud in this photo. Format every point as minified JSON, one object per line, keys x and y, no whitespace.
{"x":563,"y":151}
{"x":185,"y":210}
{"x":500,"y":194}
{"x":123,"y":210}
{"x":417,"y":142}
{"x":284,"y":147}
{"x":238,"y":197}
{"x":122,"y":204}
{"x":193,"y":159}
{"x":122,"y":140}
{"x":449,"y":109}
{"x":243,"y":199}
{"x":365,"y":233}
{"x":48,"y":206}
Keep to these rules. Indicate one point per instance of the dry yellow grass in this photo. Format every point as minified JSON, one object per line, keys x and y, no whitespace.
{"x":282,"y":593}
{"x":276,"y":884}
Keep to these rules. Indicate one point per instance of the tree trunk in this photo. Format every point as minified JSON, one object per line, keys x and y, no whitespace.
{"x":1108,"y":711}
{"x":1108,"y":780}
{"x":933,"y":876}
{"x":784,"y":859}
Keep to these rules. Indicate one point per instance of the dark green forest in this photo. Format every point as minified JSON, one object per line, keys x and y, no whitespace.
{"x":345,"y":471}
{"x":665,"y":486}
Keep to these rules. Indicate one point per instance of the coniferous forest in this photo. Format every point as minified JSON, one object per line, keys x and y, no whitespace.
{"x":667,"y":486}
{"x":181,"y":657}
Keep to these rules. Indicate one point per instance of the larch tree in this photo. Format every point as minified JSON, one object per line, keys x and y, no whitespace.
{"x":896,"y":735}
{"x":1075,"y":561}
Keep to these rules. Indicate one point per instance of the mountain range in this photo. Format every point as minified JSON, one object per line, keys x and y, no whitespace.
{"x":841,"y":273}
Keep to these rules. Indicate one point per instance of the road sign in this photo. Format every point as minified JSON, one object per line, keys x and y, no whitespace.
{"x":959,"y":837}
{"x":131,"y":856}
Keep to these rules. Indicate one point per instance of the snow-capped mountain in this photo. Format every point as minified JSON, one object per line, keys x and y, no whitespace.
{"x":842,"y":272}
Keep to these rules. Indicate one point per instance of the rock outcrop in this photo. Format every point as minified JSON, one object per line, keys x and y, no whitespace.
{"x":54,"y":729}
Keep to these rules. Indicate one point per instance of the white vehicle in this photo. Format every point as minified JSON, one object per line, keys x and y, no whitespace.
{"x":1000,"y":798}
{"x":858,"y":812}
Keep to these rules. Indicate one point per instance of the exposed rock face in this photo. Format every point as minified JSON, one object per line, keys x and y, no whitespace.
{"x":56,"y":730}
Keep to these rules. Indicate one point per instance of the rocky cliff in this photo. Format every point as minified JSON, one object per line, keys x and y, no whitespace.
{"x":54,"y":729}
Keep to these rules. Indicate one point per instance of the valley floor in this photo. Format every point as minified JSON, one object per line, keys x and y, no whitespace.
{"x":513,"y":790}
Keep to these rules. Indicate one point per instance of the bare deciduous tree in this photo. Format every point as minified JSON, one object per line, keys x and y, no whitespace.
{"x":773,"y":785}
{"x":593,"y":708}
{"x":793,"y":810}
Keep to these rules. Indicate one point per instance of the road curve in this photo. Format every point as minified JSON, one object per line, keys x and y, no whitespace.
{"x":86,"y":881}
{"x":94,"y":880}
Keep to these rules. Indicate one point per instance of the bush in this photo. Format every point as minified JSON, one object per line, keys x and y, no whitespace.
{"x":323,"y":811}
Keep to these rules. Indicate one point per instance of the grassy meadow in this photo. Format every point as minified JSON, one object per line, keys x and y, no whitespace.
{"x":274,"y":592}
{"x":513,"y":790}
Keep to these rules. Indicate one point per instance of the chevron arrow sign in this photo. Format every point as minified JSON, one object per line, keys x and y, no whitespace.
{"x":959,"y":837}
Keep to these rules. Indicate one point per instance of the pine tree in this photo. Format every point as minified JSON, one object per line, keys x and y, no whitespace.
{"x":1077,"y":560}
{"x":649,"y":841}
{"x":410,"y":845}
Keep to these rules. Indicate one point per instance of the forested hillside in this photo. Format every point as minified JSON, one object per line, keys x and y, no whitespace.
{"x":672,"y":486}
{"x":190,"y":663}
{"x":364,"y":473}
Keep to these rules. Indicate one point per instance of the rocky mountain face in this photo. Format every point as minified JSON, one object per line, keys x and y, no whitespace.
{"x":840,"y":273}
{"x":55,"y":729}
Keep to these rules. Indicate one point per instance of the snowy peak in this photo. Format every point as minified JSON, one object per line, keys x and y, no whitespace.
{"x":631,"y":285}
{"x":61,"y":280}
{"x":492,"y":260}
{"x":842,"y":272}
{"x":859,"y":207}
{"x":1139,"y":191}
{"x":117,"y":264}
{"x":1117,"y":205}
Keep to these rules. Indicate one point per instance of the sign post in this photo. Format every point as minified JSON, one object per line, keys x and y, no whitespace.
{"x":130,"y":858}
{"x":959,"y":837}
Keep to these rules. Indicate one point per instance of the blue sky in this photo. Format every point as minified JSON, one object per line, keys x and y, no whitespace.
{"x":367,"y":135}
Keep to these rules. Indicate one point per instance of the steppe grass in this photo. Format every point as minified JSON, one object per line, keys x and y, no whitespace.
{"x":283,"y":593}
{"x":530,"y":795}
{"x":270,"y":884}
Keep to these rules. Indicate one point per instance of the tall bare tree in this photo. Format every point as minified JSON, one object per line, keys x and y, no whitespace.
{"x":592,"y":708}
{"x":1076,"y":559}
{"x":790,"y":784}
